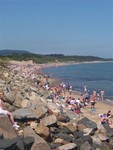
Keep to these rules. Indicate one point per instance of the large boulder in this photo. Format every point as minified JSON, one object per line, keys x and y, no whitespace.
{"x":87,"y":123}
{"x":72,"y":115}
{"x":41,"y":110}
{"x":28,"y":142}
{"x":7,"y":144}
{"x":25,"y":103}
{"x":6,"y":128}
{"x":85,"y":146}
{"x":96,"y":140}
{"x":72,"y":126}
{"x":65,"y":136}
{"x":18,"y":100}
{"x":40,"y":143}
{"x":10,"y":97}
{"x":82,"y":140}
{"x":42,"y":131}
{"x":24,"y":114}
{"x":49,"y":120}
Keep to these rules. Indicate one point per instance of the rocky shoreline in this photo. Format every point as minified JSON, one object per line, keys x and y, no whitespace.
{"x":44,"y":125}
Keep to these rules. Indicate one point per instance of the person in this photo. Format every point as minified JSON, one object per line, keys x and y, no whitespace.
{"x":104,"y":119}
{"x":85,"y":88}
{"x":109,"y":115}
{"x":5,"y":112}
{"x":93,"y":102}
{"x":102,"y":94}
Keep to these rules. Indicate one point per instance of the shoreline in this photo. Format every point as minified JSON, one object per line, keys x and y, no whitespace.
{"x":107,"y":99}
{"x":101,"y":106}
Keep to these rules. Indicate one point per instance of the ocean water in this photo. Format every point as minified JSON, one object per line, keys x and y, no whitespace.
{"x":96,"y":76}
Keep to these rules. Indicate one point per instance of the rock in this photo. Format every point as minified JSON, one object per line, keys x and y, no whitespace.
{"x":20,"y":133}
{"x":41,"y":111}
{"x":60,"y":141}
{"x":81,"y":127}
{"x":65,"y":136}
{"x":77,"y":134}
{"x":54,"y":130}
{"x":109,"y":133}
{"x":28,"y":141}
{"x":54,"y":146}
{"x":24,"y":114}
{"x":42,"y":131}
{"x":88,"y":123}
{"x":10,"y":97}
{"x":72,"y":126}
{"x":52,"y":107}
{"x":6,"y":128}
{"x":6,"y":74}
{"x":69,"y":146}
{"x":65,"y":130}
{"x":111,"y":142}
{"x":1,"y":136}
{"x":33,"y":124}
{"x":88,"y":131}
{"x":33,"y":96}
{"x":102,"y":137}
{"x":19,"y":143}
{"x":25,"y":103}
{"x":40,"y":143}
{"x":49,"y":120}
{"x":96,"y":140}
{"x":85,"y":146}
{"x":7,"y":144}
{"x":82,"y":140}
{"x":72,"y":115}
{"x":101,"y":128}
{"x":63,"y":118}
{"x":34,"y":89}
{"x":106,"y":146}
{"x":18,"y":100}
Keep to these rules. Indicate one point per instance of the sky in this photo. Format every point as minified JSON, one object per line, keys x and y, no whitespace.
{"x":69,"y":27}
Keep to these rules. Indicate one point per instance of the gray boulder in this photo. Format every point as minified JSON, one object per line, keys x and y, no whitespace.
{"x":7,"y":144}
{"x":24,"y":114}
{"x":28,"y":142}
{"x":10,"y":97}
{"x":85,"y":146}
{"x":18,"y":100}
{"x":6,"y":128}
{"x":41,"y":110}
{"x":88,"y":123}
{"x":49,"y":120}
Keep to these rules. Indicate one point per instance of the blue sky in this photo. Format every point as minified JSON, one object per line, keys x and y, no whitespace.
{"x":69,"y":27}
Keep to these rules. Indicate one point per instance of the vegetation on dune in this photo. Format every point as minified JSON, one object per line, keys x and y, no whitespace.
{"x":37,"y":58}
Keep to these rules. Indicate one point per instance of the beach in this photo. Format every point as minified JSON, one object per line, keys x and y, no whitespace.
{"x":101,"y":106}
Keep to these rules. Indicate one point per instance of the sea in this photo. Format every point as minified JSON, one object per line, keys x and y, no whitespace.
{"x":96,"y":76}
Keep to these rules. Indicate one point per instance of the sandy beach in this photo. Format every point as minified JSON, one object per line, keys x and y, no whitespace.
{"x":102,"y":106}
